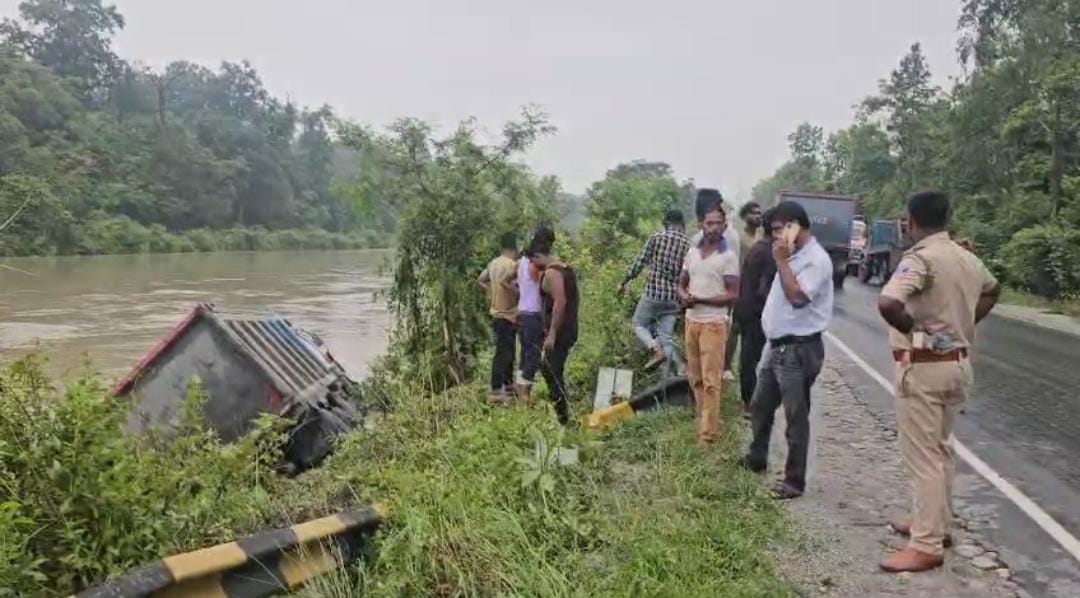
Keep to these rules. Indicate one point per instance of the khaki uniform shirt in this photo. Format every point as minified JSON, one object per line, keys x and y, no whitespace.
{"x":940,"y":283}
{"x":500,"y":275}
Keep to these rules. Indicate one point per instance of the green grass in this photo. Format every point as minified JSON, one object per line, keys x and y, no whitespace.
{"x":1069,"y":307}
{"x":645,"y":512}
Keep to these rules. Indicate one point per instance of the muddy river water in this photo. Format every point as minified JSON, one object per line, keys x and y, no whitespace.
{"x":107,"y":311}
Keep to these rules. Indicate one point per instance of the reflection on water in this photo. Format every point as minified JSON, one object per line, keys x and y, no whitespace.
{"x":113,"y":309}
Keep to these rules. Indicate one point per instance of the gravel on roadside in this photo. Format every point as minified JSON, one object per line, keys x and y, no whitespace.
{"x":856,"y":484}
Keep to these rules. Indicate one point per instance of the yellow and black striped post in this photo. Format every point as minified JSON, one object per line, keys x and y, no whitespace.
{"x":674,"y":390}
{"x":264,"y":564}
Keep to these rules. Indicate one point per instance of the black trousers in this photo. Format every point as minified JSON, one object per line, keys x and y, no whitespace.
{"x":552,"y":369}
{"x":531,"y":336}
{"x":753,"y":343}
{"x":502,"y":364}
{"x":787,"y":374}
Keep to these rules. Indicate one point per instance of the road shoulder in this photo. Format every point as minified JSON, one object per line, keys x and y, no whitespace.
{"x":1037,"y":316}
{"x":857,"y":482}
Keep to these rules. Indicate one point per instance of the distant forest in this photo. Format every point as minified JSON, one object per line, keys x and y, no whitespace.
{"x":1004,"y":140}
{"x":102,"y":155}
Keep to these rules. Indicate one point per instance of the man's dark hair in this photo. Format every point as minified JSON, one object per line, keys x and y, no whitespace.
{"x":789,"y":211}
{"x":508,"y":241}
{"x":930,"y":209}
{"x":543,"y":240}
{"x":708,"y":200}
{"x":674,"y":217}
{"x":766,"y":221}
{"x":534,"y":249}
{"x":747,"y":207}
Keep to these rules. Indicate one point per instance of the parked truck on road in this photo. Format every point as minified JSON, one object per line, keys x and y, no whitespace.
{"x":831,"y":221}
{"x":884,"y":248}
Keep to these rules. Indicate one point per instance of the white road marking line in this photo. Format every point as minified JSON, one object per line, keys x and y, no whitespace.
{"x":1021,"y":500}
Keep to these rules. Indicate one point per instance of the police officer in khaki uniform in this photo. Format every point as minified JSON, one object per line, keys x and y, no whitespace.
{"x":932,"y":303}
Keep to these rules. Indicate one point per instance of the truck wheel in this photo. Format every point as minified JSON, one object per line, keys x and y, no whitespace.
{"x":864,"y":272}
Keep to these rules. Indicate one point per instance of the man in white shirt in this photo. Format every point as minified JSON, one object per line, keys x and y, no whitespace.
{"x":705,"y":199}
{"x":798,"y":309}
{"x":708,"y":287}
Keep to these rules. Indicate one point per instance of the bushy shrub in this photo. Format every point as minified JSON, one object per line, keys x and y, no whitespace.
{"x":1045,"y":260}
{"x":80,"y":500}
{"x":203,"y":239}
{"x":118,"y":234}
{"x":606,"y":338}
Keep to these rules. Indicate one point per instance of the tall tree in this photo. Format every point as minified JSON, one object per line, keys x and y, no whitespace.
{"x":73,"y":38}
{"x":982,"y":25}
{"x":631,"y":198}
{"x":452,"y":192}
{"x":858,"y":159}
{"x":806,"y":144}
{"x":906,"y":98}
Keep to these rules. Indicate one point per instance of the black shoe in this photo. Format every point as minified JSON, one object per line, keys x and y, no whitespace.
{"x":655,"y":362}
{"x":747,"y":463}
{"x":783,"y":491}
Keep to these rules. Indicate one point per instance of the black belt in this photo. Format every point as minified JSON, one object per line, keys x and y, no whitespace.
{"x":794,"y":340}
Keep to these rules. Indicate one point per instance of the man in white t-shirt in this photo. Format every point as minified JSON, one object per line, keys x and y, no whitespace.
{"x":708,"y":287}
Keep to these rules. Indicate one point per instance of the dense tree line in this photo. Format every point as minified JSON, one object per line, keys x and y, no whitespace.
{"x":1004,"y":140}
{"x":103,"y":155}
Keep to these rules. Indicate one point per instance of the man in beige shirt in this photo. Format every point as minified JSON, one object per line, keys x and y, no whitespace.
{"x":498,"y":279}
{"x":939,"y":292}
{"x":708,"y":287}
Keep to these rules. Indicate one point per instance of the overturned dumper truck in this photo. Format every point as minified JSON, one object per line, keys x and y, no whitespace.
{"x":247,"y":366}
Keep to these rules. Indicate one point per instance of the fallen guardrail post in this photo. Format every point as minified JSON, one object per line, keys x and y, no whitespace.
{"x":264,"y":564}
{"x":671,"y":391}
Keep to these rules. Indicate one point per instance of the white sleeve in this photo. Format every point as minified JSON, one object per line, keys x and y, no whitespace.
{"x":814,"y":277}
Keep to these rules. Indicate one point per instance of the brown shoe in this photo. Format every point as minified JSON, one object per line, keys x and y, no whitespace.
{"x":903,"y":527}
{"x":524,"y":393}
{"x":909,"y":559}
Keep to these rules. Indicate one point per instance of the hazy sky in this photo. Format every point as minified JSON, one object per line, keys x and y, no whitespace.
{"x":711,"y":86}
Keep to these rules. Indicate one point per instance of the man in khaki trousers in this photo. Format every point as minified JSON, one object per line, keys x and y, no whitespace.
{"x":708,"y":286}
{"x":932,"y":303}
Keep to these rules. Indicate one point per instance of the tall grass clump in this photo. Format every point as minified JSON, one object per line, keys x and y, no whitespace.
{"x":476,"y":508}
{"x":80,"y":500}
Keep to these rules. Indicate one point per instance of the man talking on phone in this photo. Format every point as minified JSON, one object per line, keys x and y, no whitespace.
{"x":797,"y":310}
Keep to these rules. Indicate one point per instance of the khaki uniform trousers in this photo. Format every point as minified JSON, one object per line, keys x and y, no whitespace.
{"x":928,"y":396}
{"x":705,"y":347}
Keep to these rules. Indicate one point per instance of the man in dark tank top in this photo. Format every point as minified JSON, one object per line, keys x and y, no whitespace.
{"x":560,"y":296}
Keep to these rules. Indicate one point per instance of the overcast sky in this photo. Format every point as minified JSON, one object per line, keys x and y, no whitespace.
{"x":710,"y":86}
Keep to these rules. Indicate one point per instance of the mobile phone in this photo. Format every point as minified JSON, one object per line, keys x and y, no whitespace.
{"x":791,"y":233}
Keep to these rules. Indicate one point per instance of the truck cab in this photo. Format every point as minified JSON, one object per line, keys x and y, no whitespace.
{"x":831,"y":220}
{"x":885,"y":246}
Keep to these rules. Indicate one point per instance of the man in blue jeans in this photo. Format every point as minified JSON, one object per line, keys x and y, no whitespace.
{"x":658,"y":309}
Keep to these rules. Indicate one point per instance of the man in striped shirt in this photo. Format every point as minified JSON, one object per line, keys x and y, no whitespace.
{"x":658,"y":309}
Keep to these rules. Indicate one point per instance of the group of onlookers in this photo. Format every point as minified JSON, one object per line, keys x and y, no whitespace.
{"x":534,"y":299}
{"x":770,"y":285}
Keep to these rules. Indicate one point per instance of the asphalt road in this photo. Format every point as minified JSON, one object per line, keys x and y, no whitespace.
{"x":1023,"y":420}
